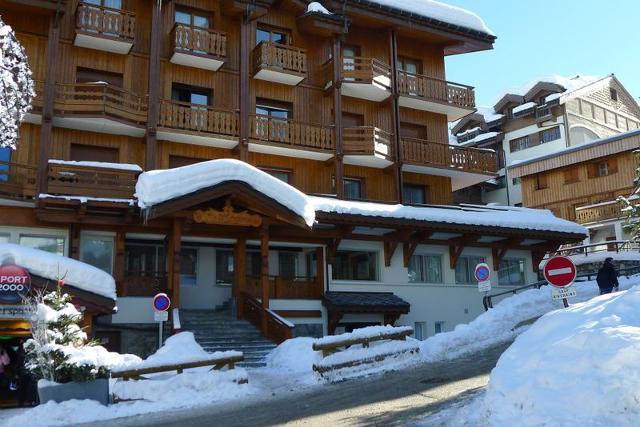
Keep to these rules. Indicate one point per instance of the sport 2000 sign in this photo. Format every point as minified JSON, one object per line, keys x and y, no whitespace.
{"x":15,"y":283}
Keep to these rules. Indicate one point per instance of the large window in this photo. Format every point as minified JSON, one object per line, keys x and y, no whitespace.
{"x":511,"y":272}
{"x":409,"y":65}
{"x":353,"y":188}
{"x":355,"y":265}
{"x":189,"y":266}
{"x":4,"y":238}
{"x":224,"y":266}
{"x":94,"y":153}
{"x":284,"y":175}
{"x":191,"y":95}
{"x":465,"y":269}
{"x":191,"y":18}
{"x":5,"y":158}
{"x":415,"y":194}
{"x":97,"y":250}
{"x":145,"y":259}
{"x":549,"y":135}
{"x":264,"y":34}
{"x":287,"y":264}
{"x":425,"y":269}
{"x":520,"y":143}
{"x":53,"y":244}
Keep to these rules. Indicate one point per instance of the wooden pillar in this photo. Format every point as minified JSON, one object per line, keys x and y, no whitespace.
{"x":393,"y":48}
{"x":119,"y":263}
{"x":153,"y":109}
{"x":239,"y":274}
{"x":337,"y":116}
{"x":244,"y":87}
{"x":320,"y":270}
{"x":264,"y":274}
{"x":74,"y":241}
{"x":174,"y":243}
{"x":46,"y":128}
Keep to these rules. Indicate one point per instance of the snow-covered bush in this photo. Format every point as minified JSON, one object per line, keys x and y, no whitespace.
{"x":16,"y":86}
{"x":59,"y":350}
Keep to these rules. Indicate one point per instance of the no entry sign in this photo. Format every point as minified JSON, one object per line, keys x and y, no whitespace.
{"x":560,"y":271}
{"x":161,"y":302}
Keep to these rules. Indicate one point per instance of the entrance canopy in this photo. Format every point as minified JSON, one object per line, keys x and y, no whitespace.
{"x":388,"y":304}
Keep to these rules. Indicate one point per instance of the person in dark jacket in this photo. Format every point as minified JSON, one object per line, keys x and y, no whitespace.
{"x":607,"y":277}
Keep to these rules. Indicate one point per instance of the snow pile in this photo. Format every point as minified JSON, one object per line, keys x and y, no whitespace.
{"x":100,"y":356}
{"x":158,"y":186}
{"x":439,"y":11}
{"x":102,"y":165}
{"x":295,"y":356}
{"x":524,"y":107}
{"x":573,"y":367}
{"x":499,"y":323}
{"x":570,"y":84}
{"x":51,"y":266}
{"x":316,"y":7}
{"x":370,"y":332}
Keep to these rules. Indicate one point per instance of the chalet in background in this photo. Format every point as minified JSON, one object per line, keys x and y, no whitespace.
{"x":337,"y":211}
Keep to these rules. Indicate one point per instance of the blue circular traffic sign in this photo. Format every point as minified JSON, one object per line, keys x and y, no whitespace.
{"x":482,"y":272}
{"x":161,"y":302}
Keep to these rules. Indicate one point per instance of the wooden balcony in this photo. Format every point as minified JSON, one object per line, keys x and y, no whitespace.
{"x":600,"y":212}
{"x":368,"y":146}
{"x":100,"y":107}
{"x":198,"y":47}
{"x":465,"y":166}
{"x":142,"y":284}
{"x":435,"y":95}
{"x":366,"y":78}
{"x":104,"y":28}
{"x":197,"y":124}
{"x":288,"y":137}
{"x":279,"y":63}
{"x":97,"y":181}
{"x":286,"y":288}
{"x":17,"y":181}
{"x":543,"y":113}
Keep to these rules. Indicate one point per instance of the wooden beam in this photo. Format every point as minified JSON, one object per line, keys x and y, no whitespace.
{"x":174,"y":243}
{"x":497,"y":254}
{"x":119,"y":261}
{"x":454,"y":254}
{"x":239,"y":274}
{"x":536,"y":259}
{"x":389,"y":250}
{"x":320,"y":270}
{"x":264,"y":275}
{"x":74,"y":241}
{"x":393,"y":53}
{"x":153,"y":111}
{"x":408,"y":248}
{"x":244,"y":83}
{"x":337,"y":115}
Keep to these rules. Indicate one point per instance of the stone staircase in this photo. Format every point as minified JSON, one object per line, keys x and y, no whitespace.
{"x":219,"y":330}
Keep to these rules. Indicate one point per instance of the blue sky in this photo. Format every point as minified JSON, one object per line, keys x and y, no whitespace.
{"x":540,"y":37}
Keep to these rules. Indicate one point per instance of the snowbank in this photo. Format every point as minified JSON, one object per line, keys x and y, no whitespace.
{"x":573,"y":367}
{"x":51,"y":266}
{"x":499,"y":323}
{"x":294,"y":356}
{"x":158,"y":186}
{"x":100,"y":356}
{"x":368,"y":332}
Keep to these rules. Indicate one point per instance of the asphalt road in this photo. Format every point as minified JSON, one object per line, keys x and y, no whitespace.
{"x":392,"y":399}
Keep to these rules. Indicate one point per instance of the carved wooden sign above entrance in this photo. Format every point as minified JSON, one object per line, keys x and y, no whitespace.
{"x":227,"y":216}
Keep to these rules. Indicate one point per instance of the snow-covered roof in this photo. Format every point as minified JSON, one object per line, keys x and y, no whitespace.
{"x":439,"y":11}
{"x":482,"y":137}
{"x":489,"y":114}
{"x":570,"y":84}
{"x":524,"y":107}
{"x":106,"y":165}
{"x":51,"y":266}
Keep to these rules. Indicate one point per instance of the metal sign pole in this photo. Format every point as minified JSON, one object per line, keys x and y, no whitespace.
{"x":565,"y":302}
{"x":160,"y":334}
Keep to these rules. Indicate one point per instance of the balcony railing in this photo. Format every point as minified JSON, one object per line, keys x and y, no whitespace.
{"x":102,"y":99}
{"x":105,"y":22}
{"x":286,"y":288}
{"x":17,"y":181}
{"x":279,"y":57}
{"x":89,"y":181}
{"x":600,"y":212}
{"x":368,"y":140}
{"x":198,"y":118}
{"x":543,"y":112}
{"x":199,"y":41}
{"x":428,"y":153}
{"x":366,"y":70}
{"x":142,"y":284}
{"x":291,"y":133}
{"x":429,"y":88}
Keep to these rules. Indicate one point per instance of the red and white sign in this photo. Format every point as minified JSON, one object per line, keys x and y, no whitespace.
{"x":560,"y":271}
{"x":161,"y":302}
{"x":15,"y":283}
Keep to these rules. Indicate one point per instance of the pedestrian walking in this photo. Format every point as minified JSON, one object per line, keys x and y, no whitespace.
{"x":607,"y":277}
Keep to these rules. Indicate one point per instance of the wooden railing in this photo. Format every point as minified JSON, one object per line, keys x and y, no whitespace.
{"x":599,"y":212}
{"x":543,"y":112}
{"x":106,"y":21}
{"x":368,"y":140}
{"x":79,"y":180}
{"x":286,"y":288}
{"x":100,"y":98}
{"x":200,"y":41}
{"x":366,"y":70}
{"x":292,"y":133}
{"x":217,"y":362}
{"x":143,"y":284}
{"x":431,"y":88}
{"x":198,"y":118}
{"x":426,"y":153}
{"x":275,"y":56}
{"x":17,"y":181}
{"x":272,"y":326}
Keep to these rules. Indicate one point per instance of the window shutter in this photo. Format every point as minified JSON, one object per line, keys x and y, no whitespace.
{"x":592,"y":170}
{"x":612,"y":165}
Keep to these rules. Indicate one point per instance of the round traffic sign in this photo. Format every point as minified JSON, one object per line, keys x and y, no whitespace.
{"x":560,"y":271}
{"x":161,"y":302}
{"x":482,"y":272}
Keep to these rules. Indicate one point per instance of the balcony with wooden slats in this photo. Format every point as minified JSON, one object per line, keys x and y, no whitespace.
{"x":286,"y":137}
{"x":279,"y":63}
{"x":197,"y":124}
{"x":465,"y":166}
{"x":601,"y":212}
{"x":99,"y":107}
{"x":435,"y":95}
{"x":286,"y":287}
{"x":366,"y":78}
{"x":198,"y":47}
{"x":368,"y":146}
{"x":104,"y":28}
{"x":17,"y":181}
{"x":97,"y":181}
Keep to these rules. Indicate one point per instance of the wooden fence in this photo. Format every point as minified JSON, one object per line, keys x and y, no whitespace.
{"x":279,"y":57}
{"x":430,"y":88}
{"x":272,"y":326}
{"x":201,"y":41}
{"x":105,"y":21}
{"x":291,"y":133}
{"x":421,"y":152}
{"x":198,"y":118}
{"x":80,"y":180}
{"x":368,"y":140}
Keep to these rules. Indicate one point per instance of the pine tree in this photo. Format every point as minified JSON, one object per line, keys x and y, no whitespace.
{"x":630,"y":205}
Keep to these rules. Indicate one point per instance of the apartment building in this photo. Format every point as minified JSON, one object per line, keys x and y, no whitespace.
{"x":288,"y":158}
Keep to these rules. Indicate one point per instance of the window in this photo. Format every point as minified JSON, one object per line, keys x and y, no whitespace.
{"x":571,"y":175}
{"x":224,"y":266}
{"x":613,"y":94}
{"x":109,"y":26}
{"x":287,"y":264}
{"x":200,"y":22}
{"x":511,"y":272}
{"x":520,"y":143}
{"x":602,"y":169}
{"x":272,"y":116}
{"x":355,"y":265}
{"x":264,"y":34}
{"x":438,"y":327}
{"x":549,"y":135}
{"x":5,"y":158}
{"x":353,"y":188}
{"x":113,"y":4}
{"x":312,"y":265}
{"x":541,"y":181}
{"x":425,"y":269}
{"x":191,"y":94}
{"x":192,"y":18}
{"x":283,"y":175}
{"x":349,"y":53}
{"x":254,"y":264}
{"x":52,"y":244}
{"x":189,"y":266}
{"x":516,"y":181}
{"x":90,"y":75}
{"x":145,"y":259}
{"x":179,"y":161}
{"x":411,"y":66}
{"x":465,"y":269}
{"x":97,"y":250}
{"x":93,"y":153}
{"x":419,"y":330}
{"x":415,"y":194}
{"x":411,"y":130}
{"x":4,"y":238}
